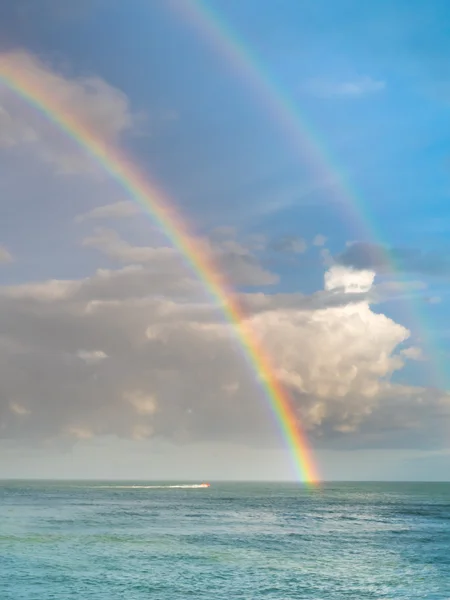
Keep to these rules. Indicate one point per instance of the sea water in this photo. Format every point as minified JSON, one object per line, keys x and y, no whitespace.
{"x":107,"y":541}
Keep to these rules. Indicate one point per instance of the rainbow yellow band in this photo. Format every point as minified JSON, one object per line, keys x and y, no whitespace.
{"x":26,"y":84}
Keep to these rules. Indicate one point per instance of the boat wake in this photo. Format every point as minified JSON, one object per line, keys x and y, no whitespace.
{"x":157,"y":487}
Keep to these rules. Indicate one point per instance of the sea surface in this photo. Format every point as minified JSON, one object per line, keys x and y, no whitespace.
{"x":127,"y":541}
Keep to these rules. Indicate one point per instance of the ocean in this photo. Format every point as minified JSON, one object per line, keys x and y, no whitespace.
{"x":130,"y":541}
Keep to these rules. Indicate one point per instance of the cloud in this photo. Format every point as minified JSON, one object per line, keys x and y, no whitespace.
{"x":290,"y":244}
{"x":123,"y":353}
{"x":225,"y":232}
{"x":397,"y":290}
{"x":362,"y":255}
{"x":98,"y":106}
{"x":239,"y":263}
{"x":319,"y":240}
{"x":349,"y":280}
{"x":235,"y":260}
{"x":91,"y":356}
{"x":117,"y":210}
{"x":110,"y":243}
{"x":5,"y":255}
{"x":356,"y":88}
{"x":413,"y":353}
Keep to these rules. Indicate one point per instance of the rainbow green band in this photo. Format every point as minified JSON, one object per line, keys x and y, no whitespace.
{"x":26,"y":84}
{"x":307,"y":144}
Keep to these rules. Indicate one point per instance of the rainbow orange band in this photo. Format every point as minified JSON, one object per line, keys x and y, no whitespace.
{"x":26,"y":84}
{"x":305,"y":142}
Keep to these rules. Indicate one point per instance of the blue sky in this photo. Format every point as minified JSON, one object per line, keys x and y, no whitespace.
{"x":371,"y":82}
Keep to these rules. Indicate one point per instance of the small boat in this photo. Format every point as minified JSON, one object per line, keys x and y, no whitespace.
{"x":204,"y":485}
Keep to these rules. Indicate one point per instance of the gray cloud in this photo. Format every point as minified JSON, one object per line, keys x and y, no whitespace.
{"x":319,"y":240}
{"x":234,"y":259}
{"x":116,"y":210}
{"x":290,"y":244}
{"x":5,"y":255}
{"x":110,"y":243}
{"x":108,"y":355}
{"x":362,"y":255}
{"x":98,"y":106}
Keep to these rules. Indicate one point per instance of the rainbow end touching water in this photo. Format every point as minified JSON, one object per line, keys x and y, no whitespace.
{"x":21,"y":78}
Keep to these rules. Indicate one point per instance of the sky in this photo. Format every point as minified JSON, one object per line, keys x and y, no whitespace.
{"x":306,"y":147}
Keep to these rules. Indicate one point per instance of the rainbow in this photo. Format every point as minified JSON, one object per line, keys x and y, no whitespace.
{"x":26,"y":84}
{"x":304,"y":140}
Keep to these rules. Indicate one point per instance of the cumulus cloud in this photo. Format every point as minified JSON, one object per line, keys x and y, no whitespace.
{"x":91,"y":101}
{"x":108,"y":355}
{"x":5,"y":255}
{"x":116,"y":210}
{"x":349,"y":280}
{"x":355,"y":88}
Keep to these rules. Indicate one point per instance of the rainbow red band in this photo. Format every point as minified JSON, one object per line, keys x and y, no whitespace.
{"x":306,"y":144}
{"x":25,"y":83}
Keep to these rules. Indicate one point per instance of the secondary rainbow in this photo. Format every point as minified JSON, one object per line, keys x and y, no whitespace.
{"x":302,"y":137}
{"x":26,"y":84}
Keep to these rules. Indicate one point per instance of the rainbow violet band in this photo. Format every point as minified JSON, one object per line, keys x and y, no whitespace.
{"x":307,"y":144}
{"x":26,"y":85}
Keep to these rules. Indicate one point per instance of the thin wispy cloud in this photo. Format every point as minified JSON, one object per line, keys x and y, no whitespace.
{"x":5,"y":255}
{"x":117,"y":210}
{"x":346,"y":88}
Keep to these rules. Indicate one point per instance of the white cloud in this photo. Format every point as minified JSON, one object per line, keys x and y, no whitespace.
{"x":354,"y":88}
{"x":117,"y":210}
{"x":413,"y":353}
{"x":98,"y":106}
{"x":349,"y":280}
{"x":5,"y":255}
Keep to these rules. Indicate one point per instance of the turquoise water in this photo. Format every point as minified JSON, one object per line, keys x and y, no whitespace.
{"x":275,"y":541}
